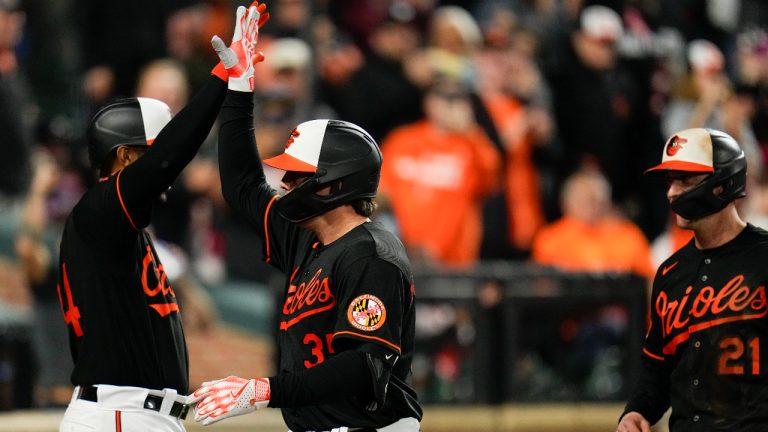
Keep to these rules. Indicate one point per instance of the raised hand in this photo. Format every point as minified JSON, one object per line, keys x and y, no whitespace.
{"x":240,"y":57}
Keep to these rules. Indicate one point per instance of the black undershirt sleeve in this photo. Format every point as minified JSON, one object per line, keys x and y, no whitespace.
{"x":346,"y":374}
{"x":144,"y":180}
{"x":238,"y":154}
{"x":651,"y":394}
{"x":242,"y":176}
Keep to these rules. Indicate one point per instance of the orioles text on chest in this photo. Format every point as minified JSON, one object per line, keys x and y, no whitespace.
{"x":734,"y":302}
{"x":314,"y":295}
{"x":162,"y":286}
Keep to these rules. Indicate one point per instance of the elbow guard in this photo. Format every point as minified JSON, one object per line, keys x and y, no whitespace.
{"x":380,"y":363}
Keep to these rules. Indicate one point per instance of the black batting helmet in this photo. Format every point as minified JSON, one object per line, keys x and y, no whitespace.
{"x":125,"y":122}
{"x":705,"y":151}
{"x":339,"y":154}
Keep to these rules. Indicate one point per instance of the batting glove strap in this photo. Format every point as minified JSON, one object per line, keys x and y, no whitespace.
{"x":229,"y":397}
{"x":221,"y":72}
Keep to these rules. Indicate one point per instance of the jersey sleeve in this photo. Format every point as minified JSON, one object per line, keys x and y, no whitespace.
{"x":140,"y":183}
{"x":371,"y":293}
{"x":650,"y":396}
{"x":244,"y":184}
{"x":654,"y":339}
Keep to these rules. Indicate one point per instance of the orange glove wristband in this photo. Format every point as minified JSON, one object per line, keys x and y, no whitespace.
{"x":220,"y":71}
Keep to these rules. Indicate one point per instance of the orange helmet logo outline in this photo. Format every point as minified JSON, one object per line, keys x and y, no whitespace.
{"x":294,"y":134}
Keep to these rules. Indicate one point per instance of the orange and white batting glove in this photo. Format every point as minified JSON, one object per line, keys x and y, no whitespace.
{"x":238,"y":59}
{"x":229,"y":397}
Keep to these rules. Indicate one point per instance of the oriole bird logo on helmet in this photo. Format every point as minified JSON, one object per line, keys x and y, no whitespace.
{"x":706,"y":151}
{"x":674,"y":145}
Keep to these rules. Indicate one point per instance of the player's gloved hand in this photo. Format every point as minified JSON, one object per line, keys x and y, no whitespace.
{"x":238,"y":59}
{"x":229,"y":397}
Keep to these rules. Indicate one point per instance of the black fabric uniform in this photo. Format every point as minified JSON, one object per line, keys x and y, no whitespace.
{"x":707,"y":343}
{"x":326,"y":282}
{"x":123,"y":319}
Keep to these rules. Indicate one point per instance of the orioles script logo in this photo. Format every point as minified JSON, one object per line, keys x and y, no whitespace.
{"x":675,"y":144}
{"x":294,"y":134}
{"x":734,"y":302}
{"x":307,"y":299}
{"x":162,"y":285}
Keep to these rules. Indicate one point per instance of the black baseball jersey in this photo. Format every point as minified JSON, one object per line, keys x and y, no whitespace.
{"x":359,"y":288}
{"x":123,"y":318}
{"x":707,"y":344}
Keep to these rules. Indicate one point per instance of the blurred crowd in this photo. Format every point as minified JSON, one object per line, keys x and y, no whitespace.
{"x":511,"y":129}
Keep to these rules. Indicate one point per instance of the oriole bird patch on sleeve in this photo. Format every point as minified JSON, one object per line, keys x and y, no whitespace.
{"x":367,"y":313}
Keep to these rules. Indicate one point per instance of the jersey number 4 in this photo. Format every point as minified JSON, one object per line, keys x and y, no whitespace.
{"x":72,"y":314}
{"x":732,"y":359}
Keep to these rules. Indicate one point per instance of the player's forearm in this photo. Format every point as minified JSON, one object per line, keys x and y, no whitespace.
{"x":341,"y":376}
{"x":176,"y":144}
{"x":239,"y":162}
{"x":651,"y":394}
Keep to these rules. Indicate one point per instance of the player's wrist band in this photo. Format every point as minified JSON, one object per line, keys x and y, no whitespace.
{"x":152,"y":402}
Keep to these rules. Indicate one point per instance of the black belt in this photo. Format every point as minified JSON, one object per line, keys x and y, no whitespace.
{"x":152,"y":402}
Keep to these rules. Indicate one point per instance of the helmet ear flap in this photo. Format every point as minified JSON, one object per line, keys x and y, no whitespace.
{"x":730,"y":177}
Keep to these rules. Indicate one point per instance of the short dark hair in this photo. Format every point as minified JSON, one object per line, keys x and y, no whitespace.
{"x":364,"y":206}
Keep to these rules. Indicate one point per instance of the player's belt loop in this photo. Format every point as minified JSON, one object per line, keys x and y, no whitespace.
{"x":152,"y":402}
{"x":178,"y":409}
{"x":88,"y":393}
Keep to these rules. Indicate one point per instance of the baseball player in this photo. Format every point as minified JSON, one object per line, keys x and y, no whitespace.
{"x":705,"y":349}
{"x":125,"y":330}
{"x":346,"y":327}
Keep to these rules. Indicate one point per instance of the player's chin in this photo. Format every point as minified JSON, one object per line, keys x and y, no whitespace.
{"x":683,"y":222}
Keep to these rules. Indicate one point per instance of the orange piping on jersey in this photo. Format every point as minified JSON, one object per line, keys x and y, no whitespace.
{"x":293,"y":275}
{"x":61,"y":301}
{"x":368,"y":337}
{"x":122,"y":204}
{"x":118,"y":423}
{"x":653,"y":356}
{"x":671,"y":347}
{"x":266,"y":232}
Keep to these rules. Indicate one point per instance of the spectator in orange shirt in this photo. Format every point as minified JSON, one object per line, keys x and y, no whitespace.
{"x":436,"y":174}
{"x":512,"y":91}
{"x":590,"y":236}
